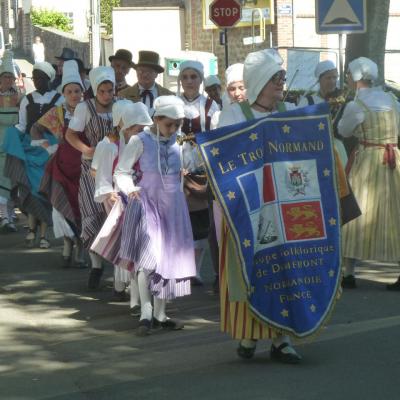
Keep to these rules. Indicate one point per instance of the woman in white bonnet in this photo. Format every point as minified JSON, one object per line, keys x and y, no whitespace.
{"x":327,"y":75}
{"x":60,"y":182}
{"x":22,"y":157}
{"x":91,"y":122}
{"x":374,"y":171}
{"x":235,"y":88}
{"x":9,"y":100}
{"x":235,"y":91}
{"x":264,"y":78}
{"x":198,"y":113}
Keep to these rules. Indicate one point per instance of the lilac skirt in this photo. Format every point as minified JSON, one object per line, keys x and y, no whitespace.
{"x":157,"y":236}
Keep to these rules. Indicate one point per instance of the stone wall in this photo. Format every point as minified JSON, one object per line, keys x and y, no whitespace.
{"x":54,"y":41}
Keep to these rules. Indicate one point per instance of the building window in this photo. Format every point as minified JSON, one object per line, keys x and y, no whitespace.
{"x":70,"y":16}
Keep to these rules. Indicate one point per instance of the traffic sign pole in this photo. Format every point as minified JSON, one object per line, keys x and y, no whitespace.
{"x":225,"y":14}
{"x":226,"y":48}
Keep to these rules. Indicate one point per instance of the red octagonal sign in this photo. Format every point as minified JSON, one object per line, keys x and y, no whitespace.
{"x":225,"y":13}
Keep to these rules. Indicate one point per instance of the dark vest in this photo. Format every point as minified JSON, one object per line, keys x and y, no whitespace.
{"x":34,"y":110}
{"x":194,"y":125}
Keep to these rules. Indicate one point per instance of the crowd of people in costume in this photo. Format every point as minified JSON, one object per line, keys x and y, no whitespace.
{"x":114,"y":170}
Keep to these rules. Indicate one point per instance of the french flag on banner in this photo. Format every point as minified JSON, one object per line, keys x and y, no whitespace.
{"x":258,"y":187}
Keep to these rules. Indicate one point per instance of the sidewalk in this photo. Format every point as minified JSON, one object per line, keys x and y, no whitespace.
{"x":59,"y":341}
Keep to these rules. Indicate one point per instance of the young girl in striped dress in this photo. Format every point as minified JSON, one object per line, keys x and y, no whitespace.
{"x":128,"y":119}
{"x":92,"y":117}
{"x":156,"y":234}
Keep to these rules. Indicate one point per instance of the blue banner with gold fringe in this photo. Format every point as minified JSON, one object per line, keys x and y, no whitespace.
{"x":275,"y":179}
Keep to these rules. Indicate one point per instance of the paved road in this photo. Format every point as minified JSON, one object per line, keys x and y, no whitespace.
{"x":59,"y":341}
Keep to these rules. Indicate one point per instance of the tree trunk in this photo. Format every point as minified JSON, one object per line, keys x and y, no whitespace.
{"x":371,"y":44}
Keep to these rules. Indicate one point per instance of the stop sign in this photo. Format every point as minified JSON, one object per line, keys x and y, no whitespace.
{"x":225,"y":13}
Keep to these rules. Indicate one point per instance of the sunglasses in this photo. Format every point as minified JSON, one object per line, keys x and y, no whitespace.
{"x":279,"y":77}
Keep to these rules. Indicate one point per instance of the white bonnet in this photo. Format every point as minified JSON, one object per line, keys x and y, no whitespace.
{"x":322,"y":67}
{"x":259,"y":67}
{"x":363,"y":68}
{"x":47,"y":68}
{"x":99,"y":75}
{"x":169,"y":106}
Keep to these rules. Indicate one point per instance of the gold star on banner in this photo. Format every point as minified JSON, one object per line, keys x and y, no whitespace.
{"x":253,"y":137}
{"x":286,"y":128}
{"x":332,"y":221}
{"x":231,"y":195}
{"x":246,"y":243}
{"x":313,"y":308}
{"x":326,"y":172}
{"x":331,"y":273}
{"x":285,"y":313}
{"x":321,"y":126}
{"x":215,"y":151}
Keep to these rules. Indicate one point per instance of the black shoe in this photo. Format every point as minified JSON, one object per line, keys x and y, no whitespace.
{"x":66,"y":262}
{"x":245,"y":352}
{"x":135,"y":311}
{"x":394,"y":287}
{"x":144,"y":327}
{"x":195,"y":281}
{"x":169,"y":324}
{"x":286,"y":358}
{"x":120,"y":297}
{"x":349,"y":282}
{"x":94,"y":278}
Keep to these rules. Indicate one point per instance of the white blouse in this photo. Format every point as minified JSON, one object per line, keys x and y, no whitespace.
{"x":82,"y":117}
{"x":103,"y":160}
{"x":38,"y":99}
{"x":131,"y":154}
{"x":354,"y":114}
{"x":233,"y":114}
{"x":195,"y":108}
{"x":303,"y":102}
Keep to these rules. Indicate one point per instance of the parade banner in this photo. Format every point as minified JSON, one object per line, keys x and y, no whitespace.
{"x":275,"y":179}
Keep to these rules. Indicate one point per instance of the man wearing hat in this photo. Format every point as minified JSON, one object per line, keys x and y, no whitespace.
{"x":146,"y":89}
{"x":66,"y":54}
{"x":121,"y":62}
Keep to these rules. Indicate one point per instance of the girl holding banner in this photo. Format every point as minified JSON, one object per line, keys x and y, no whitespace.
{"x":264,"y":78}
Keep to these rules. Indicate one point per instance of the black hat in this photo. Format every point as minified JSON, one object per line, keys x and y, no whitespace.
{"x":67,"y":54}
{"x":122,"y":54}
{"x":149,"y":59}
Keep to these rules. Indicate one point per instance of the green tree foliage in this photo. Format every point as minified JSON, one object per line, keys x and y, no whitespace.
{"x":106,"y":7}
{"x":51,"y":19}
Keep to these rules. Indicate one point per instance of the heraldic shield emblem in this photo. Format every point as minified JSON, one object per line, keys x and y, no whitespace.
{"x":276,"y":182}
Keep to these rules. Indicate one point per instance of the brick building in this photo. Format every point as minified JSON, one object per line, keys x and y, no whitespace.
{"x":294,"y":26}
